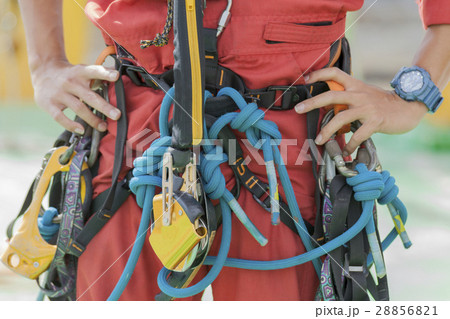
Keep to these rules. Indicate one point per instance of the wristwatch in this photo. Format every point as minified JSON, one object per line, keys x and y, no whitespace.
{"x":414,"y":84}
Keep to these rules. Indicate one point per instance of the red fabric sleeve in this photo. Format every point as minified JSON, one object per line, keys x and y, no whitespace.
{"x":434,"y":12}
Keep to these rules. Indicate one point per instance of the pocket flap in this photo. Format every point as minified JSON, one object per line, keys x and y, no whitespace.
{"x":307,"y":34}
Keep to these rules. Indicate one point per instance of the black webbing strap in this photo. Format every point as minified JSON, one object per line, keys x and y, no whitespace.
{"x":121,"y":195}
{"x":382,"y":289}
{"x":277,"y":98}
{"x":340,"y":195}
{"x":355,"y":261}
{"x":106,"y":212}
{"x":349,"y":272}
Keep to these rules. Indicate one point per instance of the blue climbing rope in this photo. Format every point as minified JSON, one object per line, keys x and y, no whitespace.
{"x":262,"y":134}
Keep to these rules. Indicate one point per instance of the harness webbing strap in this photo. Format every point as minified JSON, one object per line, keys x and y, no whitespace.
{"x":259,"y":191}
{"x":223,"y":77}
{"x":61,"y":281}
{"x":340,"y":195}
{"x":106,"y":212}
{"x":349,"y":274}
{"x":357,"y":272}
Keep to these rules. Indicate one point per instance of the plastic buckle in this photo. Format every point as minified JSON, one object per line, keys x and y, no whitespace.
{"x":76,"y":248}
{"x":352,"y":269}
{"x":288,"y":97}
{"x":104,"y":214}
{"x":265,"y":204}
{"x":260,"y":202}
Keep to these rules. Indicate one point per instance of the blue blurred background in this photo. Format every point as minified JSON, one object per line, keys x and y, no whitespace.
{"x":383,"y":35}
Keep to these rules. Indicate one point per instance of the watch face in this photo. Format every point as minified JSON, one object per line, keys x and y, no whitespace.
{"x":411,"y":81}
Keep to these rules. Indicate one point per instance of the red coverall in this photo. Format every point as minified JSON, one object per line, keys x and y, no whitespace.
{"x":243,"y":48}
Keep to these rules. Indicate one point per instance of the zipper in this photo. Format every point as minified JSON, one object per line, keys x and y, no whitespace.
{"x":197,"y":120}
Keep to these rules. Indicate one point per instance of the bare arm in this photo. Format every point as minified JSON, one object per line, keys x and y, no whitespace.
{"x":380,"y":110}
{"x":43,"y":30}
{"x":434,"y":54}
{"x":57,"y":83}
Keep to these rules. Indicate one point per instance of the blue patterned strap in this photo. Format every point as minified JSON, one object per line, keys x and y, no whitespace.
{"x":62,"y":272}
{"x":326,"y":284}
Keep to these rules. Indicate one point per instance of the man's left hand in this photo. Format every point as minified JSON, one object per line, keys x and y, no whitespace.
{"x":378,"y":110}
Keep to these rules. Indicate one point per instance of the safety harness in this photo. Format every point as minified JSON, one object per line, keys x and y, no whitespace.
{"x":183,"y":219}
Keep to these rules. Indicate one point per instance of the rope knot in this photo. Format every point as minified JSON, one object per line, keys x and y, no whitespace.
{"x":213,"y":180}
{"x":251,"y":120}
{"x":367,"y":185}
{"x":147,"y":168}
{"x":46,"y":227}
{"x":390,"y":191}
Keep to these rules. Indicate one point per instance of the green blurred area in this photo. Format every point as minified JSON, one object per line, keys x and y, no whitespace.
{"x":25,"y":129}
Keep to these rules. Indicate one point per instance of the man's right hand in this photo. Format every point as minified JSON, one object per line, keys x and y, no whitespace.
{"x":59,"y":85}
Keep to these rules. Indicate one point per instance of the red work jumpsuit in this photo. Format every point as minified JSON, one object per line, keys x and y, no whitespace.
{"x":266,"y":45}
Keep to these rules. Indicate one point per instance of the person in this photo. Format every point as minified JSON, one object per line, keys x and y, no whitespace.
{"x":266,"y":43}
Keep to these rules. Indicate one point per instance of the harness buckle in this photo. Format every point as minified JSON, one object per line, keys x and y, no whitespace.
{"x":190,"y":178}
{"x":262,"y":203}
{"x":288,"y":97}
{"x":167,"y":189}
{"x":349,"y":269}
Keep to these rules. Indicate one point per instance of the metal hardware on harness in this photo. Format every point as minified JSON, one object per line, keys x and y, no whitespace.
{"x":367,"y":153}
{"x":348,"y":269}
{"x":224,"y":19}
{"x":28,"y":254}
{"x":190,"y":178}
{"x":65,"y":157}
{"x":289,"y":95}
{"x":102,"y":90}
{"x":167,"y":189}
{"x":176,"y":244}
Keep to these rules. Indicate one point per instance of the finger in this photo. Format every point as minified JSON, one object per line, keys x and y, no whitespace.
{"x":328,"y":98}
{"x":358,"y":137}
{"x":95,"y":101}
{"x":338,"y":121}
{"x":99,"y":72}
{"x":57,"y":114}
{"x":334,"y":74}
{"x":83,"y":112}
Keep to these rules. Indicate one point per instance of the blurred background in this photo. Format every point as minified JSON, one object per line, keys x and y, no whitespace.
{"x":384,"y":36}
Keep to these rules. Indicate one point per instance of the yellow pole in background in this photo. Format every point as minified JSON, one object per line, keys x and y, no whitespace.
{"x":15,"y":82}
{"x":442,"y":116}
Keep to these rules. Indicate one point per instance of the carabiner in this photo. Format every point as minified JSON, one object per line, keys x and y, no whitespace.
{"x":366,"y":154}
{"x":102,"y":90}
{"x":224,"y":19}
{"x":67,"y":155}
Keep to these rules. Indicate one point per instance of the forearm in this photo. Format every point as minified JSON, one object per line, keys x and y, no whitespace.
{"x":44,"y":31}
{"x":434,"y":54}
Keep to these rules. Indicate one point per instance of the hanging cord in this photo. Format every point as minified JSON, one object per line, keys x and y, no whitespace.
{"x":161,"y":39}
{"x":368,"y":186}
